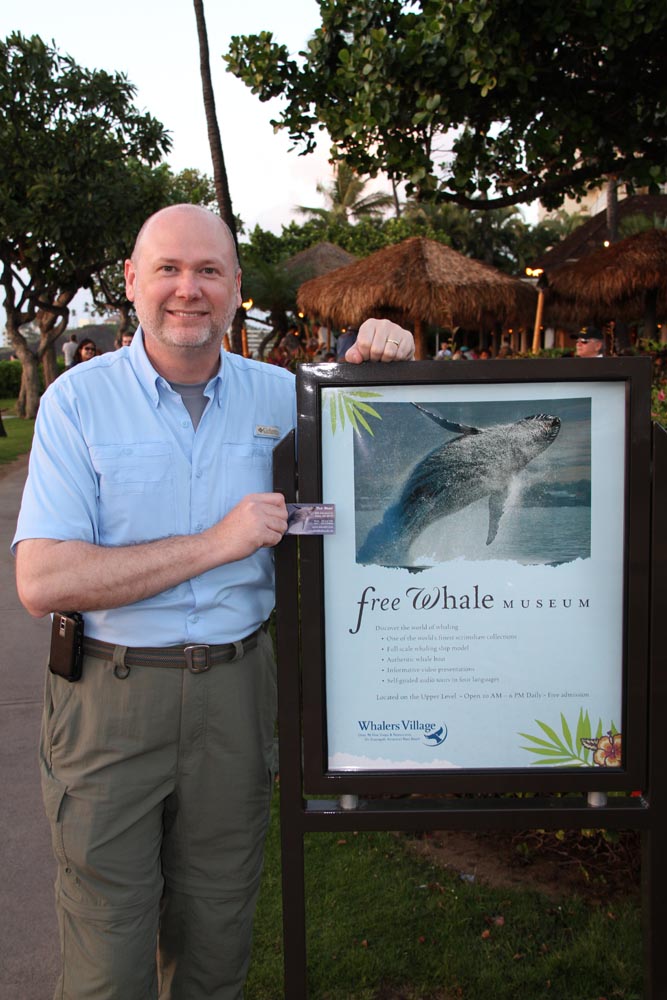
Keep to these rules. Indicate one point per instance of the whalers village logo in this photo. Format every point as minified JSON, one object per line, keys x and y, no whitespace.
{"x":432,"y":734}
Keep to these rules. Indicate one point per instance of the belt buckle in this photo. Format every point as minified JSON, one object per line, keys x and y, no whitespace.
{"x":193,"y":659}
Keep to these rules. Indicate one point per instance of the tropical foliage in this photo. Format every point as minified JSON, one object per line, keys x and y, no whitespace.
{"x":487,"y":103}
{"x":345,"y":198}
{"x":501,"y":238}
{"x":74,"y":155}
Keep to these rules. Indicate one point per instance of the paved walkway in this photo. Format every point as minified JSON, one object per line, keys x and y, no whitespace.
{"x":28,"y":930}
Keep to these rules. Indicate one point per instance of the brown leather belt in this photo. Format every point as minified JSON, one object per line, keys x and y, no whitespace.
{"x":196,"y":657}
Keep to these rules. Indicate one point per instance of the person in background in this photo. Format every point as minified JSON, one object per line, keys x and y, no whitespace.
{"x":590,"y":342}
{"x":86,"y":350}
{"x":293,"y":350}
{"x":313,"y":348}
{"x":149,"y":508}
{"x":344,"y":342}
{"x":276,"y":356}
{"x":69,"y":350}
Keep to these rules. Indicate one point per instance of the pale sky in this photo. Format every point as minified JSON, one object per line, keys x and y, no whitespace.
{"x":156,"y":46}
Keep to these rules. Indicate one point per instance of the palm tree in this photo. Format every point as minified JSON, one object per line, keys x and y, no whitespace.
{"x":345,"y":198}
{"x":219,"y":172}
{"x":273,"y":288}
{"x":444,"y":219}
{"x":639,"y":223}
{"x":491,"y":235}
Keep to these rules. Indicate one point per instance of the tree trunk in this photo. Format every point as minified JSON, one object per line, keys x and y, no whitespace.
{"x":236,"y":330}
{"x":612,"y":209}
{"x":51,"y":326}
{"x":538,"y":322}
{"x":397,"y":204}
{"x":650,"y":314}
{"x":49,"y":364}
{"x":124,"y":321}
{"x":496,"y":339}
{"x":621,"y":336}
{"x":272,"y":335}
{"x":618,"y":341}
{"x":219,"y":171}
{"x":29,"y":393}
{"x":421,"y":352}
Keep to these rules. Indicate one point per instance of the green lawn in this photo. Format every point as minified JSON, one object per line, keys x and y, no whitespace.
{"x":383,"y":924}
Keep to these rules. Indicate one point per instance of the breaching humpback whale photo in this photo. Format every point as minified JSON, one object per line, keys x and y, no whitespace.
{"x":480,"y":492}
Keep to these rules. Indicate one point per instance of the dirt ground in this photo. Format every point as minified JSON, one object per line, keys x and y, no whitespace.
{"x":555,"y":864}
{"x":12,"y":466}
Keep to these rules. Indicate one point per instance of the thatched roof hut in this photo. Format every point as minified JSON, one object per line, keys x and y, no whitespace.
{"x":418,"y":281}
{"x":318,"y":259}
{"x":592,"y":234}
{"x":626,"y":280}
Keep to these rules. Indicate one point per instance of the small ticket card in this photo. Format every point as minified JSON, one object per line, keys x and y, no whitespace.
{"x":311,"y":518}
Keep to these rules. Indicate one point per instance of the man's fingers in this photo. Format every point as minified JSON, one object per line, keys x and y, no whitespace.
{"x":381,"y":340}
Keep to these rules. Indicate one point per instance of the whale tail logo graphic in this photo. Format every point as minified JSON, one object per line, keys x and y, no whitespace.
{"x":436,"y":737}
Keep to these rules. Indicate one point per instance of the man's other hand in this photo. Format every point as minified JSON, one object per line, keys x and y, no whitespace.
{"x":381,"y":340}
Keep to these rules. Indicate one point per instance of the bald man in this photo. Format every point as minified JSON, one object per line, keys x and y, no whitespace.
{"x":149,"y":509}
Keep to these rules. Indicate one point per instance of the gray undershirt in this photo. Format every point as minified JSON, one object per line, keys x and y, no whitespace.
{"x":193,"y":398}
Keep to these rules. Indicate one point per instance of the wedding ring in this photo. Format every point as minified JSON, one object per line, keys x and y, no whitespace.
{"x":390,"y":341}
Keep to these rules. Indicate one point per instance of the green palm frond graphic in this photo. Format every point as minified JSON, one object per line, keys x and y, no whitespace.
{"x":349,"y":405}
{"x":561,"y":748}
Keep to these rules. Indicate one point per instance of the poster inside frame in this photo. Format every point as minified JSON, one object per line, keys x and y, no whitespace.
{"x":475,"y":593}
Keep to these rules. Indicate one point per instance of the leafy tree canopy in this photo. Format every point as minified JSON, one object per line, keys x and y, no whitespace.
{"x":499,"y":237}
{"x":76,"y":176}
{"x":487,"y":103}
{"x":72,"y":146}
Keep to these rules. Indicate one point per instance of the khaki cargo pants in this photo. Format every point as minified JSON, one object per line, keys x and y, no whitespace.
{"x":157,"y":783}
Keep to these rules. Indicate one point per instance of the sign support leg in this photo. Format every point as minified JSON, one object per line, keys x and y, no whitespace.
{"x":654,"y":856}
{"x":292,"y":806}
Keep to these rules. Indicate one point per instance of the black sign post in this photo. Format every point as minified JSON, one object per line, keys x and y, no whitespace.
{"x":308,"y":671}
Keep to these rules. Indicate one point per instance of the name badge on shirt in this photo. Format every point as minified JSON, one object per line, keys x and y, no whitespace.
{"x":266,"y":431}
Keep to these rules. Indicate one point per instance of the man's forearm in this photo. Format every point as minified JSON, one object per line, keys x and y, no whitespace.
{"x":53,"y":575}
{"x":56,"y":575}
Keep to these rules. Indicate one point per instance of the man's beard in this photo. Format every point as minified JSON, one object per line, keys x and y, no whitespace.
{"x":214,"y":332}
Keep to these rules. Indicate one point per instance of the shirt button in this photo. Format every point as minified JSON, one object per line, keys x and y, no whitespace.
{"x":198,"y":473}
{"x":198,"y":526}
{"x":194,"y":618}
{"x":184,"y":423}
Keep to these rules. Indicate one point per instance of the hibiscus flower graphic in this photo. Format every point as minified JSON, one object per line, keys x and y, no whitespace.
{"x":607,"y":749}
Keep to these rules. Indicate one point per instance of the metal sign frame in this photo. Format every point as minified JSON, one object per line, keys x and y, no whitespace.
{"x":634,"y":374}
{"x":300,"y":718}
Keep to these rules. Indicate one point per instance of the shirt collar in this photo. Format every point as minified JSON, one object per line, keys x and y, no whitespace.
{"x":152,"y":381}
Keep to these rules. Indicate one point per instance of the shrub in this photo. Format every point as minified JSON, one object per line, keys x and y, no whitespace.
{"x":10,"y":379}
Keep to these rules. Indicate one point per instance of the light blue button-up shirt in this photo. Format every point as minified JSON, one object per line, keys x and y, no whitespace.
{"x":116,"y":461}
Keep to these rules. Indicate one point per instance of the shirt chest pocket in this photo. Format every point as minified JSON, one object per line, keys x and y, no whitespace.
{"x":136,"y":492}
{"x":248,"y":469}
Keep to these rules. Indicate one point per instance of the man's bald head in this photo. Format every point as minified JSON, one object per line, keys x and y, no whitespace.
{"x":185,"y":282}
{"x":196,"y":212}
